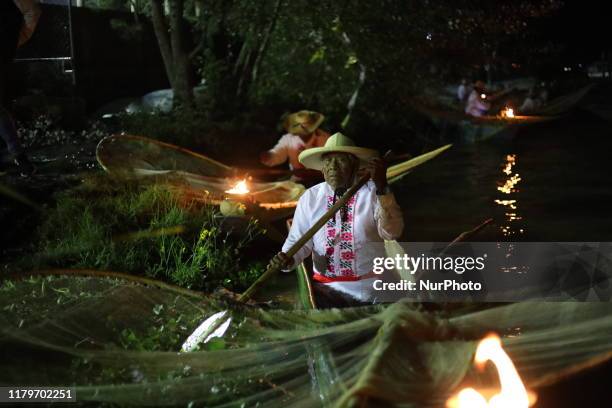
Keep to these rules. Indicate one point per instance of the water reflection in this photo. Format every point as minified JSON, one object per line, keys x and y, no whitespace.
{"x":509,"y":187}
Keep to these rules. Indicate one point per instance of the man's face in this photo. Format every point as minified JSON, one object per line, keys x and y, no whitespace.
{"x":339,"y":169}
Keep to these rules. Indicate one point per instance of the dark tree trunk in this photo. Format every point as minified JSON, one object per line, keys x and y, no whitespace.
{"x":172,"y":48}
{"x":182,"y":86}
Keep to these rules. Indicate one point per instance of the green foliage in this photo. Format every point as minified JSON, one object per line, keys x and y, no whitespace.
{"x":312,"y":53}
{"x":107,"y":4}
{"x":121,"y":226}
{"x":334,"y":55}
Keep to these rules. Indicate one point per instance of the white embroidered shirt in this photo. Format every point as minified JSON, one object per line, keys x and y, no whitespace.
{"x":341,"y":250}
{"x":290,"y":146}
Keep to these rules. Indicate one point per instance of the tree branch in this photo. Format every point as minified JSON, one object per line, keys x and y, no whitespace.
{"x":264,"y":45}
{"x":198,"y":47}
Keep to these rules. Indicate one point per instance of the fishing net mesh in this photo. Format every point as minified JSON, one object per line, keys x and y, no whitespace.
{"x":201,"y":178}
{"x":118,"y":342}
{"x":127,"y":154}
{"x":192,"y":175}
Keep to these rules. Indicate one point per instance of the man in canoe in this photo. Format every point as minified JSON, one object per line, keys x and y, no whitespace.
{"x":480,"y":100}
{"x":477,"y":104}
{"x":342,"y":250}
{"x":302,"y":133}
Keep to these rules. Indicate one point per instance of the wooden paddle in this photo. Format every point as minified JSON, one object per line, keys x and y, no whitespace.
{"x":215,"y":325}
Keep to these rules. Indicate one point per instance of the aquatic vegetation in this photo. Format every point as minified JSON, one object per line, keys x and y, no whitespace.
{"x":123,"y":226}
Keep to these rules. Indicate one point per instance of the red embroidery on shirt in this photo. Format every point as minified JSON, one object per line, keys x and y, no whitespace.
{"x":339,"y":233}
{"x":348,"y":255}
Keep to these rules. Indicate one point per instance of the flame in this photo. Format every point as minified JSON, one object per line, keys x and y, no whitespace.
{"x":508,"y":113}
{"x":513,"y":393}
{"x":239,"y":188}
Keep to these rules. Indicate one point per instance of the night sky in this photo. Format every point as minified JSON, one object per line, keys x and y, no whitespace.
{"x":583,"y":27}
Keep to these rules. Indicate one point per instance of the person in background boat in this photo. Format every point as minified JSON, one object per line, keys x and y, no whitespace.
{"x":303,"y":133}
{"x":343,"y":250}
{"x":462,"y":91}
{"x":480,"y":100}
{"x":530,"y":104}
{"x":477,"y":104}
{"x":18,"y":20}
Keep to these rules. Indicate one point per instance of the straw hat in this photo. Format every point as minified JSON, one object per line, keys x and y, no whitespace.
{"x":303,"y":122}
{"x":337,"y":143}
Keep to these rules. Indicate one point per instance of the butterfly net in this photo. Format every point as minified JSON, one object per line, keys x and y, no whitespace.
{"x":190,"y":174}
{"x":118,"y":341}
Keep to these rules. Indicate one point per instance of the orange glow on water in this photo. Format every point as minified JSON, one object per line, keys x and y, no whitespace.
{"x":508,"y":186}
{"x":509,"y":203}
{"x":510,"y":161}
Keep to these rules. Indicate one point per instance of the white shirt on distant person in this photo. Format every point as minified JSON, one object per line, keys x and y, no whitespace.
{"x":475,"y":105}
{"x":289,"y":147}
{"x":461,"y":92}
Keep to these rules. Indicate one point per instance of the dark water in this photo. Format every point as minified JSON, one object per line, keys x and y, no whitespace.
{"x":551,"y":182}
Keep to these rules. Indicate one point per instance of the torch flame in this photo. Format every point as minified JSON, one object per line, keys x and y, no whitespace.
{"x":513,"y":393}
{"x":239,"y":188}
{"x":508,"y":112}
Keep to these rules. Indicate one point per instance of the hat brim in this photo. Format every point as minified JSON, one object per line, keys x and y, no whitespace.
{"x":313,"y":158}
{"x":295,"y":129}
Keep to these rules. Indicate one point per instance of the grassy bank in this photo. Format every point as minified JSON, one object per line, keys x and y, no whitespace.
{"x":143,"y":229}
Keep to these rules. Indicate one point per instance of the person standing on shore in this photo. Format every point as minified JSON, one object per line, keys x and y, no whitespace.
{"x":18,"y":20}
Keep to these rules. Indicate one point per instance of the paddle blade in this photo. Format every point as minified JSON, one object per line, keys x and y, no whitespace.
{"x":215,"y":326}
{"x":403,"y":167}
